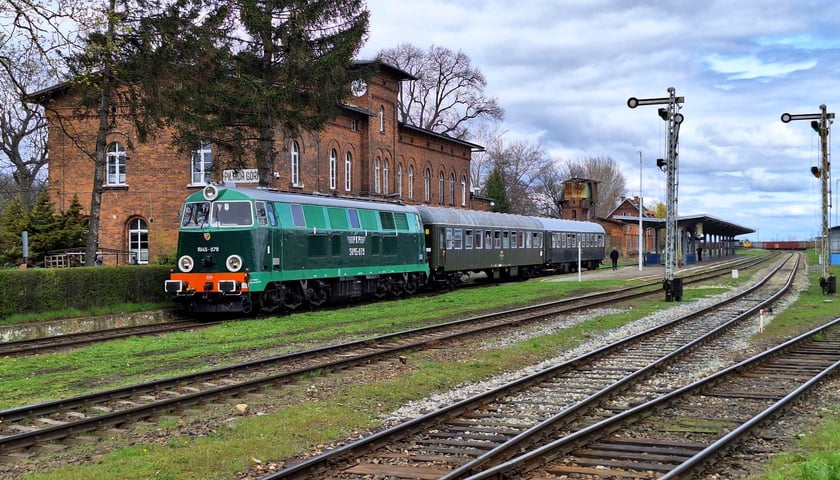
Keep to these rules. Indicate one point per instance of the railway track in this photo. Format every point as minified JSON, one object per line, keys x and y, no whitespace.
{"x":23,"y":429}
{"x":58,"y":342}
{"x":53,"y":343}
{"x":479,"y":432}
{"x":679,"y":434}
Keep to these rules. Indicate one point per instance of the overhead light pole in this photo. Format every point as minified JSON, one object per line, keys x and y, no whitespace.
{"x":641,"y":224}
{"x":672,"y":286}
{"x":821,"y":123}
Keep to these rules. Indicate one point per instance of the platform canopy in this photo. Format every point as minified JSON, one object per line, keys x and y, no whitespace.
{"x":710,"y":225}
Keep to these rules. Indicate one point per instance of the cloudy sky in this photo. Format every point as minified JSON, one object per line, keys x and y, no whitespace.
{"x":564,"y":69}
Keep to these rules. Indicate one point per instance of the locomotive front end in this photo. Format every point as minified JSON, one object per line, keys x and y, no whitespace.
{"x":212,"y":273}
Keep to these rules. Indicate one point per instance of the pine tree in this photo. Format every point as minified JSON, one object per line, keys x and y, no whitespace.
{"x":13,"y":221}
{"x":494,"y":188}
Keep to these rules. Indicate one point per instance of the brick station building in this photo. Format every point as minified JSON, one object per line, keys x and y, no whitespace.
{"x":363,"y":152}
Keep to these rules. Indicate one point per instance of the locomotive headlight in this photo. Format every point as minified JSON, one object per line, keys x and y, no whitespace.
{"x":234,"y":263}
{"x":185,"y":263}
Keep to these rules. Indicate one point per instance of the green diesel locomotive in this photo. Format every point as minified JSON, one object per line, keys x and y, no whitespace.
{"x":240,"y":250}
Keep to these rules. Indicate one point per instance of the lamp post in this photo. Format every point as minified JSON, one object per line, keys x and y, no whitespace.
{"x":641,"y":227}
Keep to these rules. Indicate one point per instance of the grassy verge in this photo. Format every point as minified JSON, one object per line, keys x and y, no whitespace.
{"x":817,"y":456}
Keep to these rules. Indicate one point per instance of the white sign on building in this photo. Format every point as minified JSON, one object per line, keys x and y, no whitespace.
{"x":247,"y":175}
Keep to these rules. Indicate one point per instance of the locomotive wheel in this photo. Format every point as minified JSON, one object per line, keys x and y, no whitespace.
{"x":317,"y":295}
{"x":410,"y":283}
{"x":292,"y":297}
{"x":270,"y":299}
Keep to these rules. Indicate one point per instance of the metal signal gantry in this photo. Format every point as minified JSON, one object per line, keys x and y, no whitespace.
{"x":670,"y":113}
{"x":821,"y":123}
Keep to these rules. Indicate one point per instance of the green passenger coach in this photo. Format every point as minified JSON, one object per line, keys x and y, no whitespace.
{"x":245,"y":249}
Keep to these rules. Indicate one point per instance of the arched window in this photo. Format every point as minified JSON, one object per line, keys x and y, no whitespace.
{"x":399,"y":180}
{"x":201,"y":164}
{"x":385,"y":168}
{"x":138,"y":241}
{"x":294,"y":154}
{"x":427,"y":186}
{"x":381,"y":119}
{"x":452,"y":189}
{"x":333,"y":168}
{"x":116,"y":164}
{"x":441,"y":187}
{"x":377,"y":165}
{"x":348,"y":171}
{"x":411,"y":182}
{"x":463,"y":191}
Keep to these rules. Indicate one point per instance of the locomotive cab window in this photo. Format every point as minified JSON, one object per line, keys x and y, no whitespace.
{"x":195,"y":215}
{"x":232,"y":214}
{"x":353,"y":214}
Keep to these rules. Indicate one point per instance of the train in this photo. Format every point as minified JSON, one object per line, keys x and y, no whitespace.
{"x":245,"y":251}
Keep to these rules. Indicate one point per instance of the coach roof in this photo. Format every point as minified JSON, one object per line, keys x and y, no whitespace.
{"x":474,"y":218}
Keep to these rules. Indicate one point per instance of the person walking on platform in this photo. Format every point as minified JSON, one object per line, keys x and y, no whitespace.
{"x":614,"y":258}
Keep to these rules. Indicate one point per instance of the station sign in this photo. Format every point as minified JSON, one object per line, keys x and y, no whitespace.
{"x":246,"y":175}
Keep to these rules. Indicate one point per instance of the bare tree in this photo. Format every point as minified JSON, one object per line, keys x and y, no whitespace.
{"x":448,"y":94}
{"x":521,"y":165}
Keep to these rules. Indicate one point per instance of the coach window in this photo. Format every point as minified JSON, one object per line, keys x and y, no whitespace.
{"x":537,"y":236}
{"x":521,"y":239}
{"x":528,"y":239}
{"x":505,"y":239}
{"x":116,"y":164}
{"x":457,"y":241}
{"x":138,"y":241}
{"x":201,"y":164}
{"x":497,"y":239}
{"x":488,"y":239}
{"x":468,"y":239}
{"x":449,"y":238}
{"x":513,"y":239}
{"x":478,"y":236}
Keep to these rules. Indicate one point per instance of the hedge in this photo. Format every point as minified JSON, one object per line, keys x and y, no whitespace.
{"x":35,"y":290}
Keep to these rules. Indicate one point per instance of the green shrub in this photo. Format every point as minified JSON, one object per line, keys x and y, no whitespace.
{"x":35,"y":290}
